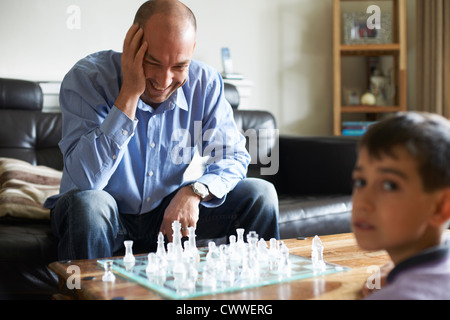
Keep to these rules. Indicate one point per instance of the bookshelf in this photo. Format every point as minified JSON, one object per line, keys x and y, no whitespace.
{"x":354,"y":60}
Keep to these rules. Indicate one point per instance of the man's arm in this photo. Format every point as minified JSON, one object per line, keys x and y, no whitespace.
{"x":224,"y":145}
{"x":95,"y":135}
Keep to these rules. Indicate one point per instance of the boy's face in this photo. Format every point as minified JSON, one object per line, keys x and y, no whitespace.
{"x":390,"y":208}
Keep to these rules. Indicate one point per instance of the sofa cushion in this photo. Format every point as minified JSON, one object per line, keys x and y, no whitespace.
{"x":31,"y":136}
{"x":307,"y":216}
{"x":20,"y":94}
{"x":24,"y":188}
{"x":261,"y":134}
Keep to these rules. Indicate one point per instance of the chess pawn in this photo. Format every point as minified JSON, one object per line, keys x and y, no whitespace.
{"x":273,"y":254}
{"x":109,"y":275}
{"x":247,"y":273}
{"x":284,"y":265}
{"x":317,"y":254}
{"x":152,"y":266}
{"x":263,"y":252}
{"x":235,"y":258}
{"x":191,"y":273}
{"x":240,"y":239}
{"x":213,"y":254}
{"x":129,"y":260}
{"x":170,"y":256}
{"x":179,"y":273}
{"x":209,"y":277}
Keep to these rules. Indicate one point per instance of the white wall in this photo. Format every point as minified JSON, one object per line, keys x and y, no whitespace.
{"x":284,"y":47}
{"x":37,"y":44}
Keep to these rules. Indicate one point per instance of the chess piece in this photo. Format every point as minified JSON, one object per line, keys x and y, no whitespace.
{"x":317,"y":255}
{"x":193,"y":245}
{"x":109,"y":275}
{"x":152,"y":266}
{"x":284,"y":265}
{"x":161,"y":250}
{"x":129,"y":260}
{"x":176,"y":228}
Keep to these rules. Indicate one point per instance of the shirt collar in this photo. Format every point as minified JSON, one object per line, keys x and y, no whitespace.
{"x":429,"y":255}
{"x":177,"y":99}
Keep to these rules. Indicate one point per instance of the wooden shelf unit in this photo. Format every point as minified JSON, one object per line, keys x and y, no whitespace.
{"x":397,"y":50}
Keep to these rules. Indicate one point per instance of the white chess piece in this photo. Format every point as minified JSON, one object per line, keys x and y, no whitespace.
{"x":177,"y":246}
{"x":193,"y":245}
{"x":129,"y":260}
{"x":109,"y":275}
{"x":152,"y":266}
{"x":284,"y":265}
{"x":129,"y":251}
{"x":317,"y":255}
{"x":161,"y":251}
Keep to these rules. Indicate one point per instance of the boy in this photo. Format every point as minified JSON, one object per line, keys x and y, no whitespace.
{"x":401,"y":203}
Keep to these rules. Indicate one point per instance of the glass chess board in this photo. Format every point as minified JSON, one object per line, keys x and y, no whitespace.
{"x":300,"y":268}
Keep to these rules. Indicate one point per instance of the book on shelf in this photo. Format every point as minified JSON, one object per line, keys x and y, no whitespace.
{"x":355,"y":128}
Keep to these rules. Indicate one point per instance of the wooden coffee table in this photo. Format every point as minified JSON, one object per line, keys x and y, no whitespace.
{"x":340,"y":249}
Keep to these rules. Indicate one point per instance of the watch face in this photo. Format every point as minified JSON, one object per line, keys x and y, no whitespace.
{"x":200,"y":189}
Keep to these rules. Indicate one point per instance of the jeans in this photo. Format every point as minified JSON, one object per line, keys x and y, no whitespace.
{"x":88,"y":224}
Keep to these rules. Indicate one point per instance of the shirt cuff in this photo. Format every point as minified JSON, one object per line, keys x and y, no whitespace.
{"x":118,"y":126}
{"x":216,"y":187}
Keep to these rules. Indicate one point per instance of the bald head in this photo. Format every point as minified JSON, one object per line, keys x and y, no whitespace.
{"x":169,"y":8}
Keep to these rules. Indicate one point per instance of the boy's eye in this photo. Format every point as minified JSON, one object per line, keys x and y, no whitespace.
{"x":358,"y":183}
{"x":389,"y":186}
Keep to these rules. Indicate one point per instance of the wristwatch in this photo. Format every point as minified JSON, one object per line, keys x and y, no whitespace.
{"x":200,"y":189}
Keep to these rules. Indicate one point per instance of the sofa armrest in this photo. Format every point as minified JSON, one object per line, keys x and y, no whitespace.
{"x":315,"y":165}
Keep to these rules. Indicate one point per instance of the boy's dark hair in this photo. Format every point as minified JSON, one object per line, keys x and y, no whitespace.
{"x":425,"y":136}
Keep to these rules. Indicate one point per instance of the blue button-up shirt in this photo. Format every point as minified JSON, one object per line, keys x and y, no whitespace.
{"x":190,"y":137}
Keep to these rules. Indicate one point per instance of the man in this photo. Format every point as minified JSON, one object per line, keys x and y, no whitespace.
{"x":132,"y":123}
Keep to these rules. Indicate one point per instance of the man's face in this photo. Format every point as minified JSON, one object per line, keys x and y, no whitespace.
{"x":166,"y":63}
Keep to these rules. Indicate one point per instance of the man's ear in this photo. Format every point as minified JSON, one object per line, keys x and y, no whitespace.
{"x":442,"y":212}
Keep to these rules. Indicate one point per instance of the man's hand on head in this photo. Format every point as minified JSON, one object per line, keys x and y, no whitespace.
{"x":133,"y":85}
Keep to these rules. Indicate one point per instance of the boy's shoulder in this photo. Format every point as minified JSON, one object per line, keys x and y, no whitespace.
{"x":423,"y":277}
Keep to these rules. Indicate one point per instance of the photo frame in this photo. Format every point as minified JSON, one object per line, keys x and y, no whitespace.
{"x":351,"y":96}
{"x":356,"y":30}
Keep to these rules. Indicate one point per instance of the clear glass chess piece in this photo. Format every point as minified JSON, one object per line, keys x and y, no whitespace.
{"x":108,"y":276}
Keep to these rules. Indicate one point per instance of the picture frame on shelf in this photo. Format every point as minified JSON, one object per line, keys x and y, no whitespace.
{"x":351,"y":96}
{"x":356,"y":30}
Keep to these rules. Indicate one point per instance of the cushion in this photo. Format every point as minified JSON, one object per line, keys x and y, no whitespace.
{"x":25,"y":187}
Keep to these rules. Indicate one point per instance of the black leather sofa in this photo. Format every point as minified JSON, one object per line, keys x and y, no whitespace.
{"x":312,"y":180}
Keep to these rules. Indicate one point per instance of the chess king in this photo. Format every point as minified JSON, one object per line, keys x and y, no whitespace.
{"x":119,"y":111}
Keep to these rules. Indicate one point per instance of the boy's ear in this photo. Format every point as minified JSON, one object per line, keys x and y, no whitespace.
{"x":442,"y":213}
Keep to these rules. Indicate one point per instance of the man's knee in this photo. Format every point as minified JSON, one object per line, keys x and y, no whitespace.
{"x":260,"y":199}
{"x":94,"y":203}
{"x":86,"y":209}
{"x":86,"y":224}
{"x":259,"y":190}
